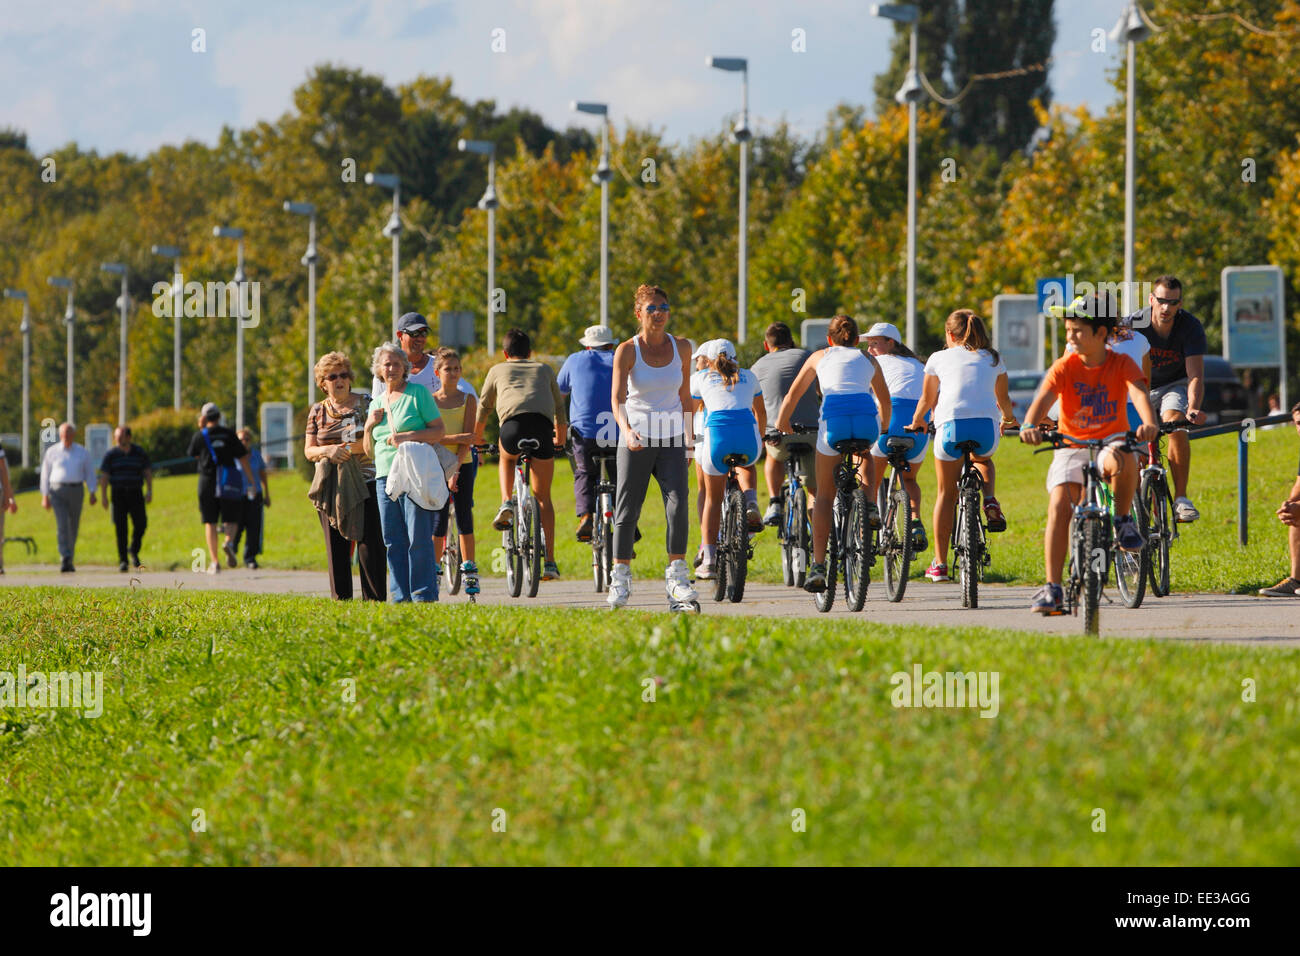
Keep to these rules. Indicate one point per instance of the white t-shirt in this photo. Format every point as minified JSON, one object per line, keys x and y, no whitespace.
{"x":966,"y":383}
{"x":904,"y":376}
{"x":844,"y":370}
{"x":426,"y":378}
{"x":708,"y":386}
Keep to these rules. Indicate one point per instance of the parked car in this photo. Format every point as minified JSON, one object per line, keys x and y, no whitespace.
{"x":1023,"y":386}
{"x":1225,"y":397}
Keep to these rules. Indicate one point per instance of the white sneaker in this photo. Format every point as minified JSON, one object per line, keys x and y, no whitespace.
{"x":620,"y":586}
{"x":1184,"y":511}
{"x":772,"y":516}
{"x":705,"y":571}
{"x":677,"y":582}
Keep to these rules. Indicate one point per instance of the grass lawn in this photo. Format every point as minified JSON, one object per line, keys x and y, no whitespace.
{"x":236,"y":706}
{"x":1206,"y":558}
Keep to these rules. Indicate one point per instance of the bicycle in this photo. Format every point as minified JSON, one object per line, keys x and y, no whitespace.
{"x":734,"y":546}
{"x":602,"y":527}
{"x":451,"y":573}
{"x":851,"y":542}
{"x":794,"y":531}
{"x":523,"y":541}
{"x":1092,"y":547}
{"x":1155,"y":511}
{"x":896,"y":518}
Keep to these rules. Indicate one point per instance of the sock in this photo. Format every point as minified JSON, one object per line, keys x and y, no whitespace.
{"x":710,"y":552}
{"x":751,"y":498}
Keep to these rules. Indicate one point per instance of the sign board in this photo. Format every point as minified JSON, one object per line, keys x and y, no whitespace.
{"x":99,"y":439}
{"x":1254,"y":319}
{"x":456,"y":329}
{"x":278,"y":439}
{"x":812,"y":333}
{"x":1018,"y":331}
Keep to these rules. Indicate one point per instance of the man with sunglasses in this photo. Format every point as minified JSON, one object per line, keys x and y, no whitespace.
{"x":1178,"y":348}
{"x":412,"y":336}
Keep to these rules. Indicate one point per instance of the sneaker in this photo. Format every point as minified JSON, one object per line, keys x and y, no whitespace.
{"x":252,"y":565}
{"x":584,"y":528}
{"x":815,"y":582}
{"x":214,"y":568}
{"x":505,"y":517}
{"x":550,"y":571}
{"x":470,"y":570}
{"x":677,"y":582}
{"x":993,"y":516}
{"x":1049,"y":600}
{"x":135,"y":559}
{"x":937,"y":572}
{"x":232,"y":559}
{"x":772,"y":516}
{"x":66,"y":568}
{"x":754,"y":518}
{"x":699,"y":558}
{"x":1184,"y":511}
{"x":919,"y":542}
{"x":1127,"y":534}
{"x":620,"y":586}
{"x":704,"y":571}
{"x":873,"y":516}
{"x":1289,"y":587}
{"x":123,"y":566}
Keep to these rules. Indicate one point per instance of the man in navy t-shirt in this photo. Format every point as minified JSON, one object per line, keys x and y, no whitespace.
{"x":1178,"y":349}
{"x":587,"y":378}
{"x":128,"y":473}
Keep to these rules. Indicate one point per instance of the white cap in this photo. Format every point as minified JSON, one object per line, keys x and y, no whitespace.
{"x":715,"y":347}
{"x":886,"y":329}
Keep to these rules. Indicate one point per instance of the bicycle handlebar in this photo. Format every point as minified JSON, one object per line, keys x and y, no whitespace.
{"x":1054,"y":440}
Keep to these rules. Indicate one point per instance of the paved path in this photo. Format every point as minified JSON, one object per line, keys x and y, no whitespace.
{"x":1233,"y":618}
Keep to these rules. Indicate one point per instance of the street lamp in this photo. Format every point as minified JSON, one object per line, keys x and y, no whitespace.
{"x":26,"y":329}
{"x":1132,"y":28}
{"x":393,"y":228}
{"x":742,"y":135}
{"x":69,"y":317}
{"x":603,"y":175}
{"x":489,"y":203}
{"x":911,"y":94}
{"x":309,"y":260}
{"x":178,"y":289}
{"x":231,"y":232}
{"x":123,"y":302}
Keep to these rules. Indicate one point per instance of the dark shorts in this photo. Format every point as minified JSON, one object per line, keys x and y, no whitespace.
{"x":216,"y":510}
{"x":529,"y":425}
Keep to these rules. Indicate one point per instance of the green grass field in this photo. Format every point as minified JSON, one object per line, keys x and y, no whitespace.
{"x":1207,"y":558}
{"x":235,"y":707}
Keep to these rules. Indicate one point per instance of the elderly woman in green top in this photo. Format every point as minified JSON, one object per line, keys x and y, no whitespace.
{"x":405,"y":412}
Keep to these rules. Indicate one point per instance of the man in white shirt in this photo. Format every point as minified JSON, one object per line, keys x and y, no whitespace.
{"x":412,"y":334}
{"x":65,"y":469}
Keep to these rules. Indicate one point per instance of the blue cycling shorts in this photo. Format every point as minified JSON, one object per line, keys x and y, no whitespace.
{"x":950,"y":433}
{"x":732,"y":431}
{"x":900,"y":416}
{"x":846,"y":416}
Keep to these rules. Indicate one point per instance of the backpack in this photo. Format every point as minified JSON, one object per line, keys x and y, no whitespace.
{"x":230,"y":483}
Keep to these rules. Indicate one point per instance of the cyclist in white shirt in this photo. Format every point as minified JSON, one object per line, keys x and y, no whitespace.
{"x":735,"y":418}
{"x":966,"y":386}
{"x":905,"y":377}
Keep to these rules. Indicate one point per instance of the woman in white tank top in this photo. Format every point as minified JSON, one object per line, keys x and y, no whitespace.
{"x":651,"y":396}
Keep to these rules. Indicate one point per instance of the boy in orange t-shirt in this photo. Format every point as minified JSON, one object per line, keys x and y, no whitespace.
{"x":1094,"y":385}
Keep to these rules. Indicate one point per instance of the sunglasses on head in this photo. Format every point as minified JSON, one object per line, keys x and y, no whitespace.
{"x":1167,"y":301}
{"x":333,"y":376}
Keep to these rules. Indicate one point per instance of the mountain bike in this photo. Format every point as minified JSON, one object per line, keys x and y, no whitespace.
{"x":851,"y":542}
{"x":794,"y":531}
{"x":969,"y":535}
{"x":896,"y":518}
{"x":523,"y":541}
{"x":602,"y":526}
{"x":734,"y":547}
{"x":1155,"y":511}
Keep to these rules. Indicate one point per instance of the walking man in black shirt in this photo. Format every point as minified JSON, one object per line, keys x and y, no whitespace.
{"x":126,"y":470}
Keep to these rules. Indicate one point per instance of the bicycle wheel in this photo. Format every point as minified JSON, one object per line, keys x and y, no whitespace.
{"x":801,"y":547}
{"x":510,"y":543}
{"x":451,"y":575}
{"x":896,"y":539}
{"x":737,"y":547}
{"x":787,"y":549}
{"x":857,"y":553}
{"x":1131,"y":569}
{"x":826,"y":598}
{"x":1094,"y":554}
{"x":720,"y":553}
{"x":1155,"y":501}
{"x":969,"y":548}
{"x":532,"y":546}
{"x":599,"y":570}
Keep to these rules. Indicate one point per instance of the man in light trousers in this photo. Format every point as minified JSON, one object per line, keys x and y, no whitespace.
{"x":66,"y":472}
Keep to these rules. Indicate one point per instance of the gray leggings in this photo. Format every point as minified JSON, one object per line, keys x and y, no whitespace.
{"x":668,"y":465}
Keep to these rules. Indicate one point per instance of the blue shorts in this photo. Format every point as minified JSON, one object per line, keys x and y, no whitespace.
{"x":1134,"y":419}
{"x":901,"y":411}
{"x":732,"y":431}
{"x":950,"y":433}
{"x":846,"y":416}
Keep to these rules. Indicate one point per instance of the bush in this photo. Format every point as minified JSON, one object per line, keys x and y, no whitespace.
{"x":165,"y":434}
{"x":24,"y":478}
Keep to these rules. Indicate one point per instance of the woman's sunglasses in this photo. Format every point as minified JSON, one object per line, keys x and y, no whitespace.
{"x":332,"y":376}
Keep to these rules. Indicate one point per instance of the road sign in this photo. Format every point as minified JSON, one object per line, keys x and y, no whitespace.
{"x":1018,"y":331}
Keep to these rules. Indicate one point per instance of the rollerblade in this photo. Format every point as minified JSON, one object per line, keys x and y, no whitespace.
{"x":620,"y":586}
{"x":681,"y":595}
{"x":470,"y":571}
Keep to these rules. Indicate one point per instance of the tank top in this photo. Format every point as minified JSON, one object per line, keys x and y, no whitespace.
{"x":844,"y":371}
{"x":454,"y":418}
{"x":654,"y":402}
{"x":905,"y":377}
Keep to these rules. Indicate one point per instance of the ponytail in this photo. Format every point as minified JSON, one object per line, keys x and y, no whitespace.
{"x":968,"y":330}
{"x":726,"y":366}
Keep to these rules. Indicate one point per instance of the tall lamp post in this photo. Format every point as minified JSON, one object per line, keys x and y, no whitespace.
{"x":309,"y":260}
{"x":488,"y":203}
{"x":26,"y":329}
{"x":178,"y":290}
{"x":602,"y":176}
{"x":1132,"y":29}
{"x":392,"y":229}
{"x":910,"y":93}
{"x":123,"y":302}
{"x":232,"y":232}
{"x":742,"y":135}
{"x":69,"y":318}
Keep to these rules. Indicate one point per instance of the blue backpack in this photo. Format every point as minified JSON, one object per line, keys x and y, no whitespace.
{"x":230,"y":483}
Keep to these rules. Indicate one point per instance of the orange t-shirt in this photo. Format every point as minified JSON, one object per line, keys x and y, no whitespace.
{"x":1093,"y":400}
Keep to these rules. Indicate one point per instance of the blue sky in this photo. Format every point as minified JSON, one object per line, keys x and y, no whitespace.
{"x":121,"y":74}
